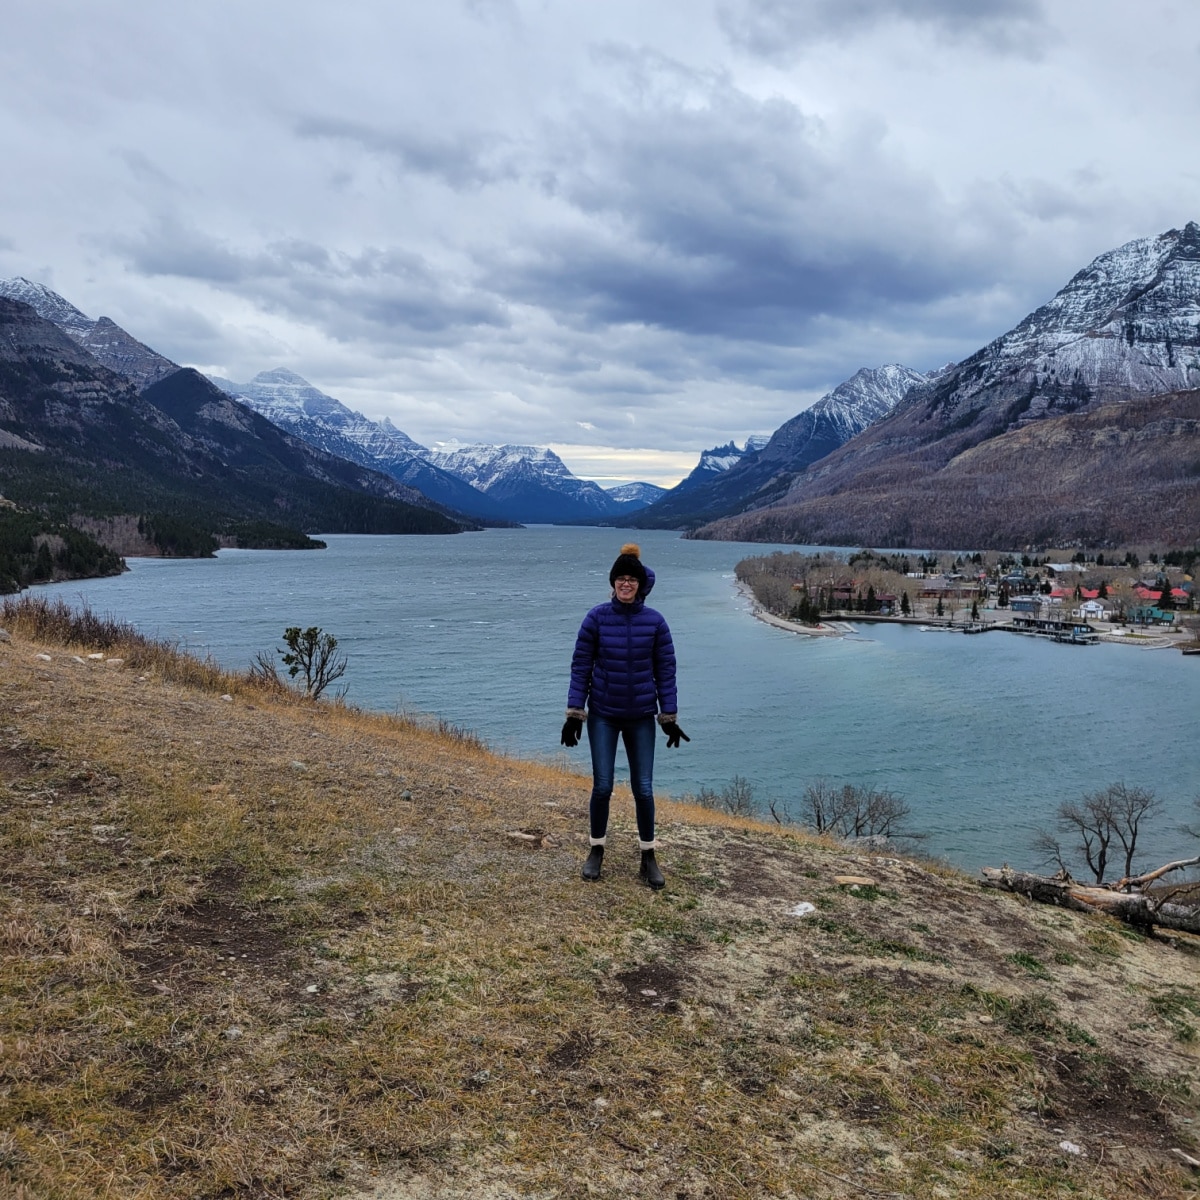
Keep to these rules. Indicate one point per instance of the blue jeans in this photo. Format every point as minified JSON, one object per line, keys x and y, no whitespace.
{"x":638,"y":735}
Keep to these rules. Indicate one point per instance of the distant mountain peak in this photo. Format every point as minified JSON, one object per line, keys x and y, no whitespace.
{"x":281,"y":375}
{"x":1126,"y":325}
{"x":728,"y":480}
{"x":104,"y":339}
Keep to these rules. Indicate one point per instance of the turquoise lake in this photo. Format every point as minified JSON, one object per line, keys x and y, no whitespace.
{"x":982,"y":736}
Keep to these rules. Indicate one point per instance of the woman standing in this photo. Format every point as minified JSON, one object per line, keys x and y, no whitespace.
{"x":622,"y":677}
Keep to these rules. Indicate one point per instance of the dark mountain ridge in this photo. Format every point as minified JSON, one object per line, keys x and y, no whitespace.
{"x":78,"y":440}
{"x":1126,"y":473}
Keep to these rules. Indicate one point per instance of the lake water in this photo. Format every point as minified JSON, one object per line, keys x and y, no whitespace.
{"x":982,"y":736}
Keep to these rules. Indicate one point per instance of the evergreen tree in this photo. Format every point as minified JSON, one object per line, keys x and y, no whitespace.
{"x":905,"y":607}
{"x":43,"y":567}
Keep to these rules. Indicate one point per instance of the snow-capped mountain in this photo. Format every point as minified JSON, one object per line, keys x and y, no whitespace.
{"x":178,"y":457}
{"x":1023,"y":442}
{"x":283,"y":396}
{"x":48,"y":305}
{"x":291,"y":402}
{"x":727,"y":481}
{"x":716,"y":462}
{"x":1127,"y":325}
{"x":636,"y":495}
{"x":531,"y":482}
{"x":498,"y":484}
{"x":104,"y":339}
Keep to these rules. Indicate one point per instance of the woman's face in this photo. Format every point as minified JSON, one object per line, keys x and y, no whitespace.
{"x":626,"y":587}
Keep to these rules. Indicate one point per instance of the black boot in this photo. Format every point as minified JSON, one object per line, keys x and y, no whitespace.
{"x":650,"y":871}
{"x":591,"y":867}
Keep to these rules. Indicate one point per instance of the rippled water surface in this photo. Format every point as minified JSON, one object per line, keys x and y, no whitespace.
{"x":983,"y":736}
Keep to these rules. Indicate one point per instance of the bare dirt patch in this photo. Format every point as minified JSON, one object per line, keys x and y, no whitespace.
{"x":1102,"y":1099}
{"x":573,"y":1051}
{"x":653,"y":985}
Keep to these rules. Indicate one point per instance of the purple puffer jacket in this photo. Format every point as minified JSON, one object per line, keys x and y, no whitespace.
{"x":624,"y":662}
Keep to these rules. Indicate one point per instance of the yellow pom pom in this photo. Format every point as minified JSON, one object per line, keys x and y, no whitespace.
{"x":632,"y":548}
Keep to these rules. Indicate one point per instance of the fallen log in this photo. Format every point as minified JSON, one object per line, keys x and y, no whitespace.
{"x":1136,"y":908}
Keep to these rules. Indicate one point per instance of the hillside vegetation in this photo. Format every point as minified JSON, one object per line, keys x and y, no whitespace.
{"x":255,"y":946}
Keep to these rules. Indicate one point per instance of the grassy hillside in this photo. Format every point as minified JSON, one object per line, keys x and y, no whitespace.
{"x":252,"y":946}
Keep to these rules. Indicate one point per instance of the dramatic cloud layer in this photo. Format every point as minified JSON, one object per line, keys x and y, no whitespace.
{"x":628,"y":231}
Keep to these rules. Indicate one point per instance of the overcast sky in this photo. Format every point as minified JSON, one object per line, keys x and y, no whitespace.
{"x":627,"y":230}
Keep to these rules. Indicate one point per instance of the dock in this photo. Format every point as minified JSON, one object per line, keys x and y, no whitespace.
{"x":1059,"y":629}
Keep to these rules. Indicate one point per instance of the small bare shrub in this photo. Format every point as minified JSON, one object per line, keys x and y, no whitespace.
{"x":850,"y":811}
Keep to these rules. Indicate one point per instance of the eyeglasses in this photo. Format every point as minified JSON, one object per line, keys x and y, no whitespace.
{"x":626,"y":580}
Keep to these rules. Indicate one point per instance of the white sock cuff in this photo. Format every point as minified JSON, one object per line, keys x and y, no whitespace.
{"x":597,"y":841}
{"x":648,"y":845}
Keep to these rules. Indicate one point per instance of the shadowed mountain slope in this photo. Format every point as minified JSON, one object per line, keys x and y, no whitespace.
{"x":1124,"y":329}
{"x":1117,"y":475}
{"x":77,"y":439}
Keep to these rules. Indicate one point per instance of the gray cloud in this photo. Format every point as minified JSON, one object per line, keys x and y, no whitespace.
{"x":708,"y":211}
{"x":460,"y":160}
{"x":375,"y":293}
{"x":644,"y":226}
{"x":780,"y":28}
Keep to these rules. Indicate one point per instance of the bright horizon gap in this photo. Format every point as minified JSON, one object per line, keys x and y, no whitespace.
{"x":611,"y":466}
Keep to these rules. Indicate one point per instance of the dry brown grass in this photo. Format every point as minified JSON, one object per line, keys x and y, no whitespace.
{"x":257,"y":947}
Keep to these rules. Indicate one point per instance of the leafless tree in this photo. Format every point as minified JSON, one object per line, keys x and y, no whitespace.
{"x":821,"y":806}
{"x":264,"y":672}
{"x":853,"y":812}
{"x":736,"y":798}
{"x":1103,"y":825}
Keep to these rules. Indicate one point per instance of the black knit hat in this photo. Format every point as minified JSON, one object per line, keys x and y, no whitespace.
{"x":629,"y":563}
